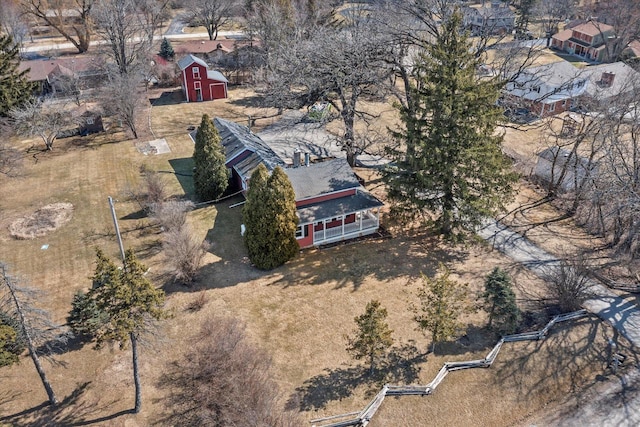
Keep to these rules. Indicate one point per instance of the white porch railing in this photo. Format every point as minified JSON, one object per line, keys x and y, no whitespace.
{"x":348,"y":230}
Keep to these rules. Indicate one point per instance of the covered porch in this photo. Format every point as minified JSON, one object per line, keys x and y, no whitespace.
{"x":337,"y":220}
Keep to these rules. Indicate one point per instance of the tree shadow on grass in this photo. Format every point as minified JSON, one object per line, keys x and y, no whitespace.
{"x":353,"y":263}
{"x":183,"y":170}
{"x":399,"y":367}
{"x":72,"y":411}
{"x":168,"y":97}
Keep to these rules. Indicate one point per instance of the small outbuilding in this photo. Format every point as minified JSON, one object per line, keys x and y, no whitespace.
{"x":563,"y":170}
{"x":199,"y":83}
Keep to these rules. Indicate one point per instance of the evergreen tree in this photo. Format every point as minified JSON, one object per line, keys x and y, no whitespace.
{"x":210,"y":176}
{"x":450,"y":163}
{"x":12,"y":343}
{"x":500,"y":302}
{"x":372,"y":337}
{"x":119,"y":307}
{"x":166,"y":50}
{"x":14,"y":87}
{"x":442,"y":301}
{"x":270,"y":218}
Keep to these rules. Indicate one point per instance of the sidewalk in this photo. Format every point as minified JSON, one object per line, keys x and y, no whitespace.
{"x":622,"y":315}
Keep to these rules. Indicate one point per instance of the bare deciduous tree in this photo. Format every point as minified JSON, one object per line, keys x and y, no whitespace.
{"x":224,"y":380}
{"x":12,"y":21}
{"x":72,"y":19}
{"x":551,"y":13}
{"x":123,"y":96}
{"x":41,"y":118}
{"x":342,"y":66}
{"x":10,"y":157}
{"x":211,"y":14}
{"x":128,"y":28}
{"x":184,"y":252}
{"x":19,"y":302}
{"x":172,"y":214}
{"x":568,"y":285}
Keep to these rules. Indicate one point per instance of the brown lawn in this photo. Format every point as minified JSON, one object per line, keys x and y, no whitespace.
{"x":299,"y":312}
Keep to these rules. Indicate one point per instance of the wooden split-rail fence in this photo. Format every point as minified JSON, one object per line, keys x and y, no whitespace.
{"x":362,"y":418}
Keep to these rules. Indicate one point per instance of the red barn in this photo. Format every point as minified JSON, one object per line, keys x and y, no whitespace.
{"x":199,"y":83}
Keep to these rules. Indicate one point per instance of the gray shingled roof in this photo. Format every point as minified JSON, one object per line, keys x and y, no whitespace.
{"x":342,"y":206}
{"x":190,"y":59}
{"x":321,"y":178}
{"x":236,"y":139}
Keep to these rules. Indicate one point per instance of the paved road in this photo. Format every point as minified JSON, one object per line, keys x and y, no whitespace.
{"x":96,"y":42}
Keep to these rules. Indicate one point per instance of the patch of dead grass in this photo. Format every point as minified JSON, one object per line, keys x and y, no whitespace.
{"x":42,"y":222}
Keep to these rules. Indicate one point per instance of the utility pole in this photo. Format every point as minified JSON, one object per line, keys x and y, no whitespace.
{"x":115,"y":223}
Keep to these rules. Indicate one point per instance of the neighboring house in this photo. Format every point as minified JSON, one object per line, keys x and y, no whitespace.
{"x":331,"y":204}
{"x":585,"y":40}
{"x":199,"y":83}
{"x":547,"y":89}
{"x":235,"y":57}
{"x":494,"y":17}
{"x":553,"y":88}
{"x":54,"y":75}
{"x":562,"y":169}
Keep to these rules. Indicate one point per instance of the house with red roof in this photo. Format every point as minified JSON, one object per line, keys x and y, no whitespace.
{"x":199,"y":83}
{"x":48,"y":74}
{"x":587,"y":40}
{"x":331,"y":203}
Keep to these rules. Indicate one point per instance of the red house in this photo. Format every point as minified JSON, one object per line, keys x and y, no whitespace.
{"x":331,"y":204}
{"x":199,"y":83}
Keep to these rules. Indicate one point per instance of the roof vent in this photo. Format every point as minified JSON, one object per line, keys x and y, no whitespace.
{"x":297,"y":156}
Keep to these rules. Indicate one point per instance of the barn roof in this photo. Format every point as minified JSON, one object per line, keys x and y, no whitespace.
{"x":216,"y":75}
{"x":322,"y":178}
{"x":237,"y":139}
{"x":190,"y":59}
{"x":183,"y":63}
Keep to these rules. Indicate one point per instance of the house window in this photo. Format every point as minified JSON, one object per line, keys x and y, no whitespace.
{"x":301,"y":231}
{"x":89,"y":120}
{"x":197,"y":85}
{"x":196,"y":72}
{"x":564,"y":103}
{"x":552,"y":107}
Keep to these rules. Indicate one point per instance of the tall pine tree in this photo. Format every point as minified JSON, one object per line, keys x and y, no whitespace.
{"x":118,"y":308}
{"x":14,"y":87}
{"x":448,"y":165}
{"x":270,"y":218}
{"x":210,"y":176}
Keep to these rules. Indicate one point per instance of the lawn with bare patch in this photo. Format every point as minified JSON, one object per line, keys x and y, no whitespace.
{"x":299,"y":312}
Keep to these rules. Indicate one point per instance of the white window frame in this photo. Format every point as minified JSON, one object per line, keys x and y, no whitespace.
{"x":552,"y":107}
{"x":196,"y":72}
{"x":301,"y":231}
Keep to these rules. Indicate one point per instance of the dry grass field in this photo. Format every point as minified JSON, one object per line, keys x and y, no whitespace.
{"x":299,"y":312}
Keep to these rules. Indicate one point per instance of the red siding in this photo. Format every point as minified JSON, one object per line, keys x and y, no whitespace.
{"x":209,"y":89}
{"x":307,"y":241}
{"x":325,"y":197}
